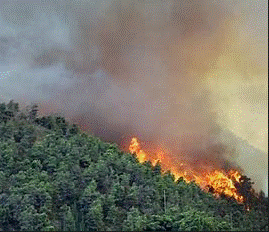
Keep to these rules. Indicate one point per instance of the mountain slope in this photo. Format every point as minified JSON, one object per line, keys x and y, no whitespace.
{"x":55,"y":177}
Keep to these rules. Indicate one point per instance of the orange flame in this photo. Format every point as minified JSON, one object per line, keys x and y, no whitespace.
{"x":135,"y":149}
{"x":217,"y":180}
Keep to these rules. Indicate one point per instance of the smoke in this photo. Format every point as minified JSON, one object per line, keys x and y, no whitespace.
{"x":186,"y":77}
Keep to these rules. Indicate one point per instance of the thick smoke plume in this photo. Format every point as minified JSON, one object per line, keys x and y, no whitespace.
{"x":187,"y":77}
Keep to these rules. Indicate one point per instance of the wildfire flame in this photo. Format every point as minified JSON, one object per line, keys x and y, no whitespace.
{"x":217,"y":181}
{"x":135,"y":149}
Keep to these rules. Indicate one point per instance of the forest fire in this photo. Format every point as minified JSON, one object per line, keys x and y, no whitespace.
{"x":217,"y":181}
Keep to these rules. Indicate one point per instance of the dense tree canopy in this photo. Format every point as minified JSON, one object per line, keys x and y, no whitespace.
{"x":55,"y":177}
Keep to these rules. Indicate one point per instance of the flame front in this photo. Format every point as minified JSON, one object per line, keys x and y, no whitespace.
{"x":216,"y":181}
{"x":135,"y":149}
{"x":223,"y":184}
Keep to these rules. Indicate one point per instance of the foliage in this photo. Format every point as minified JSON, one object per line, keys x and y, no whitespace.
{"x":53,"y":177}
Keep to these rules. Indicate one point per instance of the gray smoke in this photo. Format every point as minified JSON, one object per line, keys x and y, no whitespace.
{"x":187,"y":77}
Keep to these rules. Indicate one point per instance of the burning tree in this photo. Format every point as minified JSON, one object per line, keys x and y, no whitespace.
{"x":230,"y":184}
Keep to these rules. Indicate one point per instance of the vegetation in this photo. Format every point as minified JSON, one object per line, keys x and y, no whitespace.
{"x":53,"y":177}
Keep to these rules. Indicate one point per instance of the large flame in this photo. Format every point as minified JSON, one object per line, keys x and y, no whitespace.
{"x":217,"y":181}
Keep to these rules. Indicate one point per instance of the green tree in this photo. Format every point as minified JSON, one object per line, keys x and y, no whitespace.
{"x":68,"y":220}
{"x":135,"y":220}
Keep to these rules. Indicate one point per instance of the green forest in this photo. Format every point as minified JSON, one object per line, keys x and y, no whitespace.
{"x":55,"y":177}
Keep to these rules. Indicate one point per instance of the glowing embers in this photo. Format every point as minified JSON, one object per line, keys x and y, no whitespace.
{"x":218,"y":182}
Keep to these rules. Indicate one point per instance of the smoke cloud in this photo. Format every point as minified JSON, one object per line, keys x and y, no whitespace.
{"x":188,"y":78}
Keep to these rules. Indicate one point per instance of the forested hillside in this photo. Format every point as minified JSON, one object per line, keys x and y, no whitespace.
{"x":55,"y":177}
